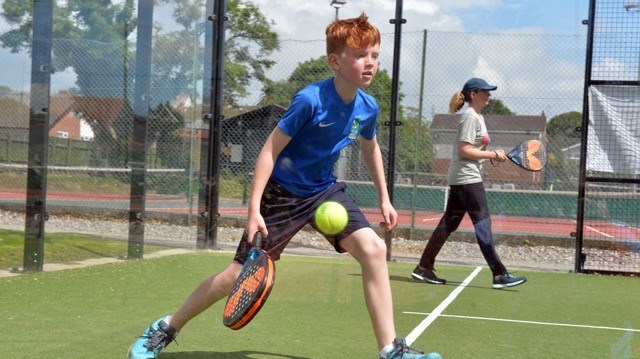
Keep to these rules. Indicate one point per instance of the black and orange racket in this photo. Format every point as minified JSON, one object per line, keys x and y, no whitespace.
{"x":252,"y":287}
{"x":530,"y":155}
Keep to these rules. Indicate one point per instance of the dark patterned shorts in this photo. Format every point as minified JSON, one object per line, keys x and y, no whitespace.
{"x":285,"y":214}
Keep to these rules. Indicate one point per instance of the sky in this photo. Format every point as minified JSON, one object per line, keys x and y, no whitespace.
{"x":296,"y":19}
{"x":305,"y":20}
{"x":502,"y":63}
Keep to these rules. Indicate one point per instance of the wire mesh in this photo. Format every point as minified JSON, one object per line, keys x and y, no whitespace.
{"x":540,"y":86}
{"x":610,"y":240}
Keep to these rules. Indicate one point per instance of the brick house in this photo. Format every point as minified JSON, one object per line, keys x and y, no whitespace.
{"x":65,"y":123}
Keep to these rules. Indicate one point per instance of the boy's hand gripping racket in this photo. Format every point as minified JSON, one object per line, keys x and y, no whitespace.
{"x":251,"y":288}
{"x":530,"y":155}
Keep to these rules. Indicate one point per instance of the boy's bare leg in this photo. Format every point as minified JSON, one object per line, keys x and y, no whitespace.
{"x":208,"y":292}
{"x":371,"y":252}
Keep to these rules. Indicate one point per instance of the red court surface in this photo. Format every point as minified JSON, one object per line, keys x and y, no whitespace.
{"x":535,"y":226}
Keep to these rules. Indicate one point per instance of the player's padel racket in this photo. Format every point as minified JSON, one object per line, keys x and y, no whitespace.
{"x":530,"y":155}
{"x":251,"y":288}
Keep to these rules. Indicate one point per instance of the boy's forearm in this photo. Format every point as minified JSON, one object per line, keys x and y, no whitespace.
{"x":261,"y":174}
{"x":373,"y":159}
{"x":264,"y":166}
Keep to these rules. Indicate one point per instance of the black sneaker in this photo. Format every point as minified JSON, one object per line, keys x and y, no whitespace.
{"x":427,"y":275}
{"x":507,"y":280}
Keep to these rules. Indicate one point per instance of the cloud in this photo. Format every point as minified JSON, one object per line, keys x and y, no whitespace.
{"x":609,"y":69}
{"x":305,"y":20}
{"x":534,"y":72}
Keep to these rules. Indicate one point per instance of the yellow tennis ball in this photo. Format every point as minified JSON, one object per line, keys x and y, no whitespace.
{"x":331,"y":218}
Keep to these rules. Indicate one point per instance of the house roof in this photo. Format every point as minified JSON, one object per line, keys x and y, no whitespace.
{"x":13,"y":113}
{"x":100,"y":109}
{"x":254,"y":112}
{"x":59,"y":105}
{"x":509,"y":123}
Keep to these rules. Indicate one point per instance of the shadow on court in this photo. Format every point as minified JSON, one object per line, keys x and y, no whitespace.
{"x":450,"y":283}
{"x":244,"y":354}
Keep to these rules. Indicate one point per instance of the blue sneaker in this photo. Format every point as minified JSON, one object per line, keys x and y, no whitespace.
{"x":153,"y":340}
{"x":402,"y":351}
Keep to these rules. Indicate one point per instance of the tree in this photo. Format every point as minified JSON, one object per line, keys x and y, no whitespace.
{"x":163,"y":121}
{"x":99,"y":23}
{"x":92,"y":35}
{"x":281,"y":92}
{"x":249,"y":40}
{"x":414,"y":152}
{"x":565,"y":125}
{"x":562,"y":133}
{"x":496,"y":107}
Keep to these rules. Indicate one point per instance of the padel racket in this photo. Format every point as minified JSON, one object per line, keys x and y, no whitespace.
{"x":530,"y":155}
{"x":252,"y":287}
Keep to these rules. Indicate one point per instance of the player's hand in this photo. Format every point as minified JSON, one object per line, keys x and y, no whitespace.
{"x":389,"y":216}
{"x":500,"y":156}
{"x":255,"y":223}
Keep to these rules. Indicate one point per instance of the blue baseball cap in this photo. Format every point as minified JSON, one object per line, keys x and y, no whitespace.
{"x":477,"y":84}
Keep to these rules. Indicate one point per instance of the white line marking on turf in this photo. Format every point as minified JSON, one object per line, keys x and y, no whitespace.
{"x":530,"y":322}
{"x":417,"y":331}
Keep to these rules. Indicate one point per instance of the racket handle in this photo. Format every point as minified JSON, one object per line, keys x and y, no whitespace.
{"x":257,"y":240}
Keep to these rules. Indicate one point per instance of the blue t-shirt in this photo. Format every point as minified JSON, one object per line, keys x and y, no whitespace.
{"x":320,"y":124}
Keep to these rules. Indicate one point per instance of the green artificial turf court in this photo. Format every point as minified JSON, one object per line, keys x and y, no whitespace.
{"x":316,"y":310}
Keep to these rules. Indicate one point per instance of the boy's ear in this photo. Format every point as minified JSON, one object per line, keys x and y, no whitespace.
{"x":333,"y":61}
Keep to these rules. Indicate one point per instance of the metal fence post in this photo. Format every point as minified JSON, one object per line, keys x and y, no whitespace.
{"x":398,"y":21}
{"x":140,"y":125}
{"x":35,"y":214}
{"x":209,"y":190}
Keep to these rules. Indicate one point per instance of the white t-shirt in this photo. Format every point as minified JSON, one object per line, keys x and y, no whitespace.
{"x":471,"y":129}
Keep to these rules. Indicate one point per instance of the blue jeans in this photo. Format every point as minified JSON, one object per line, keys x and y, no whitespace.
{"x":472,"y":199}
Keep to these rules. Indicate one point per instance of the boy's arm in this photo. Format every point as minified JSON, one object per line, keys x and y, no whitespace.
{"x":264,"y":166}
{"x":373,"y":159}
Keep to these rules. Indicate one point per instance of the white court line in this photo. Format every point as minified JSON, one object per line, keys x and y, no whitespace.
{"x":531,"y":322}
{"x":599,"y":232}
{"x":626,"y":226}
{"x":417,"y":331}
{"x":595,"y":230}
{"x":430,"y":219}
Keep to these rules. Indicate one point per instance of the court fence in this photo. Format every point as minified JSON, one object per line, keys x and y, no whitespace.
{"x":611,"y":157}
{"x":540,"y":95}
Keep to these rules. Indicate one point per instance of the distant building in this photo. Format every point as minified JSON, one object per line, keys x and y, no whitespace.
{"x":244,"y":131}
{"x":506,"y":132}
{"x":70,"y":115}
{"x":14,"y":117}
{"x":572,"y":152}
{"x":244,"y":134}
{"x":65,"y":121}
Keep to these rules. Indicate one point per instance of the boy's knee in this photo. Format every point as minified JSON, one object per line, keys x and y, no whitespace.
{"x":376,"y":248}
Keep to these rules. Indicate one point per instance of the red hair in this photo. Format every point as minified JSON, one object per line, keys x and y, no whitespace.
{"x":355,"y":33}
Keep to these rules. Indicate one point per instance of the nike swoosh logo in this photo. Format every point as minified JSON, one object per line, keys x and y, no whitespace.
{"x":322,"y":124}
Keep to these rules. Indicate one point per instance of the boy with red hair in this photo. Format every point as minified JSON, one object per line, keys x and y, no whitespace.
{"x":294,"y":175}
